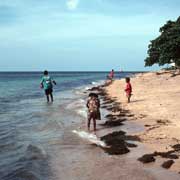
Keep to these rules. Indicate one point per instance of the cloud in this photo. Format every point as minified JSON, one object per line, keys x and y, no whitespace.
{"x":72,"y":4}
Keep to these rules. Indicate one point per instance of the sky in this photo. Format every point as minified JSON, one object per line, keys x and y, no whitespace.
{"x":80,"y":35}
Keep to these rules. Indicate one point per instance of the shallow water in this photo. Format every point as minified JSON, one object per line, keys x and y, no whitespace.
{"x":31,"y":129}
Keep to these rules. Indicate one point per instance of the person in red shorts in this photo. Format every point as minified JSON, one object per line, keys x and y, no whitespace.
{"x":128,"y":89}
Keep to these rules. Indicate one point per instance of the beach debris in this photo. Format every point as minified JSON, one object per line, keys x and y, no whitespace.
{"x":153,"y":127}
{"x":113,"y":123}
{"x":130,"y":145}
{"x":110,"y":116}
{"x":94,"y":89}
{"x":116,"y":143}
{"x":168,"y":154}
{"x":147,"y":158}
{"x":130,"y":115}
{"x":163,"y":122}
{"x":141,"y":116}
{"x":147,"y":125}
{"x":151,"y":157}
{"x":167,"y":164}
{"x":176,"y":147}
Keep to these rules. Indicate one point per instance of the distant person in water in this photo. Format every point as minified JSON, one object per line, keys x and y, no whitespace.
{"x":47,"y":83}
{"x":128,"y":89}
{"x":93,"y":105}
{"x":111,"y":74}
{"x":110,"y":77}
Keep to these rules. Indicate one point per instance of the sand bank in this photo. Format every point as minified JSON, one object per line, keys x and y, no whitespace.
{"x":155,"y":104}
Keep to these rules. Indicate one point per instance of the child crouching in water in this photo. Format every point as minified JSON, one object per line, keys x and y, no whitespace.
{"x":93,"y":105}
{"x":128,"y":89}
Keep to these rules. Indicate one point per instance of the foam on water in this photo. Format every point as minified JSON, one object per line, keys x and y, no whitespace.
{"x":82,"y":113}
{"x":90,"y":137}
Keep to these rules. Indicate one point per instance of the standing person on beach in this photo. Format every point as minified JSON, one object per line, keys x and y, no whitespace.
{"x":128,"y":89}
{"x":47,"y":83}
{"x":93,"y":105}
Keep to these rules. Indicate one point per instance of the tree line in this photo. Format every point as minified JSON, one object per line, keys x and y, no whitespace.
{"x":165,"y":49}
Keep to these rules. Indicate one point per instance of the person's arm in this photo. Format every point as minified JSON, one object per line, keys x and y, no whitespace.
{"x":41,"y":83}
{"x":54,"y":82}
{"x":87,"y":104}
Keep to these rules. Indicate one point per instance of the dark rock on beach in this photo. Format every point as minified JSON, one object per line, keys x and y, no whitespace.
{"x":168,"y":154}
{"x":167,"y":164}
{"x":113,"y":123}
{"x":147,"y":158}
{"x":176,"y":147}
{"x":116,"y":142}
{"x":110,"y":116}
{"x":95,"y":89}
{"x":130,"y":145}
{"x":114,"y":150}
{"x":150,"y":157}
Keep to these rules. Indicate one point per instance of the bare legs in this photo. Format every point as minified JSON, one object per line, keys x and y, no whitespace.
{"x":94,"y":123}
{"x":128,"y":98}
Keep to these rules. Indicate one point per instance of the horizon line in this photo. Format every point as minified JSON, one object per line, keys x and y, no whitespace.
{"x":72,"y":71}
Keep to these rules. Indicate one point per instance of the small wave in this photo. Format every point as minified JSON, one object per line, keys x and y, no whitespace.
{"x":90,"y":137}
{"x":82,"y":113}
{"x":97,"y":82}
{"x":21,"y":174}
{"x":32,"y":166}
{"x":87,"y":88}
{"x":35,"y":152}
{"x":76,"y":104}
{"x":94,"y":83}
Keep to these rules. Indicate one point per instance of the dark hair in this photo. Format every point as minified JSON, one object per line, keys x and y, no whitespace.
{"x":127,"y":79}
{"x":93,"y":95}
{"x":45,"y":72}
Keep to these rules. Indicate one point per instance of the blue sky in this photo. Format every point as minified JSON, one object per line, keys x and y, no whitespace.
{"x":80,"y":34}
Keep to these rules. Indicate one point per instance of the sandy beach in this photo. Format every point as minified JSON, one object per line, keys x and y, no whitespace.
{"x":155,"y":105}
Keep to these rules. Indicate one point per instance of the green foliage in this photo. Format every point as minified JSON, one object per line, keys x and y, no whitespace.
{"x":165,"y":49}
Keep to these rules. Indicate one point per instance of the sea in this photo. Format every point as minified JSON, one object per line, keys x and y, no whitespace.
{"x":31,"y":129}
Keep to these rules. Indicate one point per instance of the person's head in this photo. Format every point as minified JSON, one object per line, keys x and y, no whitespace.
{"x":45,"y":72}
{"x":112,"y":70}
{"x":93,"y":95}
{"x":127,"y":79}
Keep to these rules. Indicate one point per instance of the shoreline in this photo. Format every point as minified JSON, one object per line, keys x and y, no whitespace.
{"x":153,"y":108}
{"x":80,"y":159}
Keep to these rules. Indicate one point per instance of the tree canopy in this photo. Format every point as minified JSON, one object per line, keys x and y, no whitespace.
{"x":165,"y":49}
